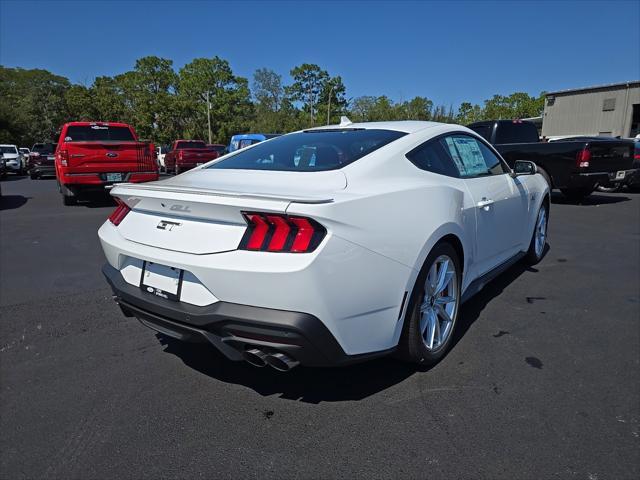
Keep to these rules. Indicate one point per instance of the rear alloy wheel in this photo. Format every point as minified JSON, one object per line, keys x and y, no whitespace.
{"x":433,"y":309}
{"x":539,"y":238}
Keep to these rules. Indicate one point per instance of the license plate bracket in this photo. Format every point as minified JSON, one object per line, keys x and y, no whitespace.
{"x":161,"y":280}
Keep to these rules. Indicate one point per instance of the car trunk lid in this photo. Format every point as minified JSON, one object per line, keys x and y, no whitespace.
{"x":201,"y":212}
{"x":98,"y":157}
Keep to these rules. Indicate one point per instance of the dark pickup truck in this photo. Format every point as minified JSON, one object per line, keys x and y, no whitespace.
{"x":575,"y":167}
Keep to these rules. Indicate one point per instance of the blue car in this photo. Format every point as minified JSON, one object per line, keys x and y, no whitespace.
{"x":246,"y":139}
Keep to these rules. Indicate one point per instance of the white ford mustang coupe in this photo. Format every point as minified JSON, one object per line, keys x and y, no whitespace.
{"x":326,"y":246}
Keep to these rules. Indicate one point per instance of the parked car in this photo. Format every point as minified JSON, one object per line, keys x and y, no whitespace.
{"x":326,"y":246}
{"x":575,"y":167}
{"x":246,"y":139}
{"x":24,"y":152}
{"x":221,"y":149}
{"x":187,"y":154}
{"x":161,"y":151}
{"x":41,"y":160}
{"x":93,"y":155}
{"x":12,"y":159}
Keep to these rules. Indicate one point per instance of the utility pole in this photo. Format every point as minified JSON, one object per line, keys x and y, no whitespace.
{"x":209,"y":115}
{"x":329,"y":105}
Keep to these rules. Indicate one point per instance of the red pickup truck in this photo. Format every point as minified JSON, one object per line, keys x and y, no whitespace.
{"x":186,"y":154}
{"x":93,"y":155}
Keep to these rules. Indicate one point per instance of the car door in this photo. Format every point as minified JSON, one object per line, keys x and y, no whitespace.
{"x":499,"y":200}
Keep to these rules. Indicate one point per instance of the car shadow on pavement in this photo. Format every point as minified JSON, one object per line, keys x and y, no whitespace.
{"x":96,"y":201}
{"x":593,"y":199}
{"x":315,"y":385}
{"x":304,"y":384}
{"x":10,"y":202}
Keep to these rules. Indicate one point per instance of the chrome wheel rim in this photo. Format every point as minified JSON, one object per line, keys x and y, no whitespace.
{"x":440,"y":303}
{"x":541,"y":231}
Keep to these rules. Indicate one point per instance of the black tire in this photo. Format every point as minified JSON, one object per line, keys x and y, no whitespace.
{"x":532,"y":257}
{"x":411,"y":347}
{"x":68,"y":201}
{"x":577,"y":194}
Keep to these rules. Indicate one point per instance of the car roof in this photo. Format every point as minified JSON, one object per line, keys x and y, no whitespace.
{"x":86,"y":124}
{"x":406,"y":126}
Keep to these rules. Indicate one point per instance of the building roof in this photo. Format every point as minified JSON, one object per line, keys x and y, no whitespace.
{"x":630,"y":83}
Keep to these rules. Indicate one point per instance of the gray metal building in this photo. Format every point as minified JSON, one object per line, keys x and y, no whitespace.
{"x":607,"y":110}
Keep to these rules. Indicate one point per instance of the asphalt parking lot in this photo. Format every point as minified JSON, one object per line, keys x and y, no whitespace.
{"x":542,"y":381}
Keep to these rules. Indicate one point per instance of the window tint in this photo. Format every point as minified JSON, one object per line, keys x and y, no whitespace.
{"x":432,"y":157}
{"x":516,"y":132}
{"x":483,"y":130}
{"x":8,"y":149}
{"x":98,"y":133}
{"x":313,"y":150}
{"x":44,"y":148}
{"x":190,"y":144}
{"x":472,"y":157}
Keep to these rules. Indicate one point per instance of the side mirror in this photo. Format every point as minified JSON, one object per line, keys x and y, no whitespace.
{"x":524,"y":167}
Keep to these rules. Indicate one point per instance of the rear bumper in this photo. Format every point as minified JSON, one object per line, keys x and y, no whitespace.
{"x":233,"y":328}
{"x":99,"y":178}
{"x":587,"y":180}
{"x":41,"y":170}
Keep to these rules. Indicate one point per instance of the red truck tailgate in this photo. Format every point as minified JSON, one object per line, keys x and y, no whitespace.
{"x":100,"y":157}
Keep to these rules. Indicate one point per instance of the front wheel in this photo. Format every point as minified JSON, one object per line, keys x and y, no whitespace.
{"x":433,"y":308}
{"x":539,"y":237}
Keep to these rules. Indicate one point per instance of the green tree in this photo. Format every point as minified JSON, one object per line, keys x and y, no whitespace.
{"x":80,"y":103}
{"x":229,"y":97}
{"x":309,"y":82}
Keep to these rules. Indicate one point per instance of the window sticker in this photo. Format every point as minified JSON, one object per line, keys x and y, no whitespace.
{"x":467,"y":155}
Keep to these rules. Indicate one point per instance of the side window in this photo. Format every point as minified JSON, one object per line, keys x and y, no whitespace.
{"x":432,"y":157}
{"x":472,"y":157}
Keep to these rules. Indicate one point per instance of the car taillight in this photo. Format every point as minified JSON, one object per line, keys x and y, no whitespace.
{"x":583,"y":157}
{"x":63,"y":155}
{"x":119,"y":213}
{"x":269,"y":232}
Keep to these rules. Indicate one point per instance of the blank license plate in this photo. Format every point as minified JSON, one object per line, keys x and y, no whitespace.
{"x":161,"y":280}
{"x":114,"y":177}
{"x":620,"y":175}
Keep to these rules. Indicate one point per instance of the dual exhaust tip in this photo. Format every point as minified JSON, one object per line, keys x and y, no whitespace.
{"x":280,"y":361}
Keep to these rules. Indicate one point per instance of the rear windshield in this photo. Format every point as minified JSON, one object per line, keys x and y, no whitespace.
{"x":183,"y":145}
{"x":310,"y":151}
{"x":516,"y":132}
{"x":98,"y":133}
{"x":44,"y":148}
{"x":483,"y":130}
{"x":8,"y":150}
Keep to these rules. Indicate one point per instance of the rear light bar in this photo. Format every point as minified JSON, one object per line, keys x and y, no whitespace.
{"x":119,"y":213}
{"x":271,"y":232}
{"x":583,"y":158}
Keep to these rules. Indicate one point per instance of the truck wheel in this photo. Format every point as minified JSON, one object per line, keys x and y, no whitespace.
{"x":68,"y":201}
{"x":433,"y":308}
{"x":577,"y":194}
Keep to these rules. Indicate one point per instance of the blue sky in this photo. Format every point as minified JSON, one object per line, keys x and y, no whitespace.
{"x":447,"y":51}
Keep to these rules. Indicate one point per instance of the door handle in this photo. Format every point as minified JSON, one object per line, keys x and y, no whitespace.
{"x":485,"y":203}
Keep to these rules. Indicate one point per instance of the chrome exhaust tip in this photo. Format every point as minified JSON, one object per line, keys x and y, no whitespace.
{"x":255,"y":357}
{"x":281,"y":362}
